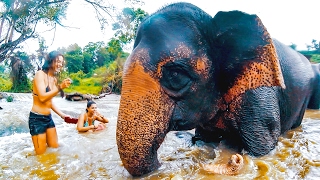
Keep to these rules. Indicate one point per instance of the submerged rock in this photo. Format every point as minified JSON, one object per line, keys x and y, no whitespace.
{"x":82,"y":97}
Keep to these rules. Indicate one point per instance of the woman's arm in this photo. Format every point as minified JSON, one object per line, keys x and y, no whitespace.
{"x":101,"y":118}
{"x":63,"y":85}
{"x":104,"y":119}
{"x":57,"y":111}
{"x":80,"y":123}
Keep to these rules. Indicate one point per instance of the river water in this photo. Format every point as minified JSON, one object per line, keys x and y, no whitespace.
{"x":94,"y":155}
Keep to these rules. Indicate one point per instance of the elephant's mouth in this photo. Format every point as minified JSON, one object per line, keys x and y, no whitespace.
{"x":181,"y":125}
{"x":179,"y":121}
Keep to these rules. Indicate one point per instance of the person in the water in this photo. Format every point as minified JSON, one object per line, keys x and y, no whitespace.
{"x":45,"y":87}
{"x":91,"y":119}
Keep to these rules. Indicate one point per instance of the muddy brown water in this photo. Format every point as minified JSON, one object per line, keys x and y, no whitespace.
{"x":94,"y":155}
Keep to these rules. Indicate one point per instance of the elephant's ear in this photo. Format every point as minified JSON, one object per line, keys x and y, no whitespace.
{"x":247,"y":55}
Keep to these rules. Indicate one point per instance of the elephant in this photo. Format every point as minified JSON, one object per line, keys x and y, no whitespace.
{"x":222,"y":75}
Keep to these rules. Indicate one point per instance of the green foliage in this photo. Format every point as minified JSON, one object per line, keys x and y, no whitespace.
{"x":88,"y":62}
{"x":2,"y":69}
{"x":86,"y":86}
{"x":113,"y":74}
{"x":91,"y":69}
{"x":19,"y":20}
{"x":293,"y":46}
{"x":127,"y":24}
{"x":307,"y":52}
{"x":314,"y":45}
{"x":315,"y":58}
{"x":77,"y":77}
{"x":74,"y":58}
{"x":20,"y":65}
{"x":114,"y":48}
{"x":39,"y":59}
{"x":9,"y":98}
{"x":103,"y":57}
{"x":5,"y":83}
{"x":81,"y":84}
{"x":74,"y":63}
{"x":110,"y":75}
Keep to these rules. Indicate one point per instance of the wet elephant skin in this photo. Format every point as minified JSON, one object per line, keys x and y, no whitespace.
{"x":222,"y":75}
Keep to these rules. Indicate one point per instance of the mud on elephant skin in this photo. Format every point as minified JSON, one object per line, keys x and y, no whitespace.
{"x":222,"y":75}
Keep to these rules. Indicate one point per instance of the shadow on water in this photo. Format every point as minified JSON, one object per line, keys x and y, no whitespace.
{"x":94,"y":155}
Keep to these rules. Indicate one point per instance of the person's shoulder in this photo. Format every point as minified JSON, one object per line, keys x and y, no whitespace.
{"x":83,"y":115}
{"x":39,"y":73}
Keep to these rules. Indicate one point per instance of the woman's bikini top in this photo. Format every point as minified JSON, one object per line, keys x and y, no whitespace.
{"x":86,"y":123}
{"x":47,"y":88}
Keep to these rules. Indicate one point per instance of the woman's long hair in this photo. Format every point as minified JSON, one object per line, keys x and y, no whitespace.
{"x":51,"y":58}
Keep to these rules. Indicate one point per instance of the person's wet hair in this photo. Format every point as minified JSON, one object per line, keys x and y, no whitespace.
{"x":51,"y":58}
{"x":89,"y":103}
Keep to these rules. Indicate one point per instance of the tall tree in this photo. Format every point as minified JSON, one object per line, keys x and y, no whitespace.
{"x":74,"y":58}
{"x":90,"y":55}
{"x":114,"y":48}
{"x":19,"y":19}
{"x":20,"y":64}
{"x":41,"y":52}
{"x":103,"y":57}
{"x":314,"y":45}
{"x":293,"y":46}
{"x":127,"y":24}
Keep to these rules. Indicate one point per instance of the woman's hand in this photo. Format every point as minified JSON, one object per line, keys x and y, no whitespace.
{"x":97,"y":116}
{"x":65,"y":83}
{"x":63,"y":116}
{"x":100,"y":117}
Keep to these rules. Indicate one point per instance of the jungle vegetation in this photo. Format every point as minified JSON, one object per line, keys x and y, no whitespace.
{"x":92,"y":68}
{"x":313,"y":52}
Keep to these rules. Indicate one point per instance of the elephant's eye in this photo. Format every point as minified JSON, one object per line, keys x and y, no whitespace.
{"x":175,"y":79}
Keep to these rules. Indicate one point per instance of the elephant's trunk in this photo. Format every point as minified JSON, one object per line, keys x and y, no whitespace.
{"x":143,"y":121}
{"x":233,"y":167}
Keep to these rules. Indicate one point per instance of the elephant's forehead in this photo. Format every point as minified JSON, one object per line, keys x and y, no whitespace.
{"x":154,"y":63}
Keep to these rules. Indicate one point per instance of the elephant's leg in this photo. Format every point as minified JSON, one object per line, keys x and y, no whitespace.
{"x":233,"y":167}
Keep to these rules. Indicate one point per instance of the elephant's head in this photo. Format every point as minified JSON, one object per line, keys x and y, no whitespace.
{"x":180,"y":73}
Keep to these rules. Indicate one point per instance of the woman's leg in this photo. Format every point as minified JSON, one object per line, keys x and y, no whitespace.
{"x":52,"y":137}
{"x":39,"y":143}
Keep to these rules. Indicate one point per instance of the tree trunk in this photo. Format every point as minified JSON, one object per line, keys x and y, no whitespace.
{"x":7,"y":35}
{"x":1,"y":26}
{"x":12,"y":30}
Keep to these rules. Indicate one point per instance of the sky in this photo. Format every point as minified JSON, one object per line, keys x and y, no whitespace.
{"x":289,"y":21}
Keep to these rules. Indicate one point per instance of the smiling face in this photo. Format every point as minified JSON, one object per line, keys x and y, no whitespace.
{"x":92,"y":109}
{"x":58,"y":64}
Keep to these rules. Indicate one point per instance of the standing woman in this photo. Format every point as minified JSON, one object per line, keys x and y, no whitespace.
{"x":45,"y":87}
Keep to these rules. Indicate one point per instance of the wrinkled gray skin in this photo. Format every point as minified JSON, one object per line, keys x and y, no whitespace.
{"x":222,"y":75}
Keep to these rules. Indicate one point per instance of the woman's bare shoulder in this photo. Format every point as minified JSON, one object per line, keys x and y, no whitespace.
{"x":39,"y":74}
{"x":82,"y":115}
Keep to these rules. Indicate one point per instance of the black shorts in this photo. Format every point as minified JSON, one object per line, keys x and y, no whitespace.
{"x":38,"y":124}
